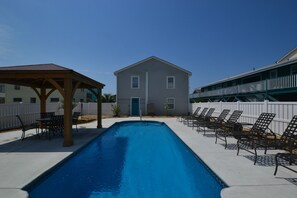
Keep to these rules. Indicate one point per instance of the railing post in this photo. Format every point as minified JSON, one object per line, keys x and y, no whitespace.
{"x":221,"y":106}
{"x":266,"y":89}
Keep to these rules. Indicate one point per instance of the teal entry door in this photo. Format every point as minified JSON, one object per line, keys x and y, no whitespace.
{"x":134,"y":106}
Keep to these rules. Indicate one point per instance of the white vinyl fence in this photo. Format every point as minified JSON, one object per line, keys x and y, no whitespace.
{"x":91,"y":108}
{"x":251,"y":110}
{"x":8,"y":112}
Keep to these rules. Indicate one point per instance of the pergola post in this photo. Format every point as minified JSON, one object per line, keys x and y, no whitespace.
{"x":43,"y":100}
{"x":99,"y":108}
{"x":68,"y":141}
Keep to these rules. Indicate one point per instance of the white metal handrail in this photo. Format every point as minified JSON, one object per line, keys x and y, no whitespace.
{"x":260,"y":86}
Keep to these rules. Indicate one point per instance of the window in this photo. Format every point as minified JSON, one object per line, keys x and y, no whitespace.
{"x":170,"y":82}
{"x":171,"y":103}
{"x":33,"y":100}
{"x":17,"y":87}
{"x":135,"y":82}
{"x":17,"y":99}
{"x":81,"y":100}
{"x":54,"y":100}
{"x":2,"y":89}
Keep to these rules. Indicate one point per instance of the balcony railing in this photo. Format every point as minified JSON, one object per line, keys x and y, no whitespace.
{"x":260,"y":86}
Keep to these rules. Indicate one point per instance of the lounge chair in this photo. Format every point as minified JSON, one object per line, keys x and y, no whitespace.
{"x":287,"y":141}
{"x":190,"y":119}
{"x":202,"y":119}
{"x":214,"y":121}
{"x":248,"y":139}
{"x":290,"y":157}
{"x":181,"y":118}
{"x":223,"y":130}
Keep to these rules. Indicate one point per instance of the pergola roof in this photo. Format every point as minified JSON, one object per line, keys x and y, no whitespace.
{"x":37,"y":75}
{"x":41,"y":77}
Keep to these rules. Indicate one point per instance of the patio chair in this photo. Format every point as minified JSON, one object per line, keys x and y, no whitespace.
{"x":202,"y":119}
{"x":26,"y":125}
{"x":248,"y":139}
{"x":223,"y":130}
{"x":43,"y":124}
{"x":190,"y":119}
{"x":214,"y":121}
{"x":75,"y":117}
{"x":56,"y":126}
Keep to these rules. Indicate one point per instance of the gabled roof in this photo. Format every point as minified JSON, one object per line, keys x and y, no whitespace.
{"x":289,"y":56}
{"x":153,"y":58}
{"x":37,"y":76}
{"x":36,"y":67}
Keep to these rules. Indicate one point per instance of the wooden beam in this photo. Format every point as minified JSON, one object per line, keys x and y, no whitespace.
{"x":50,"y":92}
{"x":94,"y":92}
{"x":60,"y":89}
{"x":75,"y":87}
{"x":36,"y":91}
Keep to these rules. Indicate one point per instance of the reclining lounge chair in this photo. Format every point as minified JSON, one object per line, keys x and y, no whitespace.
{"x":190,"y":119}
{"x":259,"y":130}
{"x":287,"y":141}
{"x":181,"y":118}
{"x":223,"y":130}
{"x":203,"y":119}
{"x":214,"y":121}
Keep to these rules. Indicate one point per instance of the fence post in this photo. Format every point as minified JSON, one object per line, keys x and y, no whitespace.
{"x":221,"y":106}
{"x":237,"y":105}
{"x":265,"y":108}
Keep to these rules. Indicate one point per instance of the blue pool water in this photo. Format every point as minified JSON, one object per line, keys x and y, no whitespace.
{"x":131,"y":159}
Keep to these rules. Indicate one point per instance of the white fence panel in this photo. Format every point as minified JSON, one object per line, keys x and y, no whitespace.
{"x":91,"y":108}
{"x":251,"y":110}
{"x":8,"y":112}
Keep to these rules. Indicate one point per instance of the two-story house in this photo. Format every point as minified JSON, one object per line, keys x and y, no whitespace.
{"x":153,"y":87}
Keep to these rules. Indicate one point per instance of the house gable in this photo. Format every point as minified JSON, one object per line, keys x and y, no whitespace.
{"x":292,"y":55}
{"x":149,"y":59}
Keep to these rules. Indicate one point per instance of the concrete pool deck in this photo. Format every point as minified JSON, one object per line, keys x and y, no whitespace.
{"x":23,"y":161}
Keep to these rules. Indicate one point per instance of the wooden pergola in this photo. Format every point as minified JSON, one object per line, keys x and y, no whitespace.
{"x":44,"y":79}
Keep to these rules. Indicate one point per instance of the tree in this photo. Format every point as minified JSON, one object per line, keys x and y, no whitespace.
{"x":106,"y":98}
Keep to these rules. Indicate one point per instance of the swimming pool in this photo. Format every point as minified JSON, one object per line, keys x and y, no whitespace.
{"x":131,"y":159}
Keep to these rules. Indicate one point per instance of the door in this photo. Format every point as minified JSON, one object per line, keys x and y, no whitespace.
{"x":134,"y":106}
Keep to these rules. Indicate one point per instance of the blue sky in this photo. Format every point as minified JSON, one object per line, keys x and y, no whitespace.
{"x":214,"y":39}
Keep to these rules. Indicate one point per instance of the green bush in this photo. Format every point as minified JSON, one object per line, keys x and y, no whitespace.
{"x":116,"y":110}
